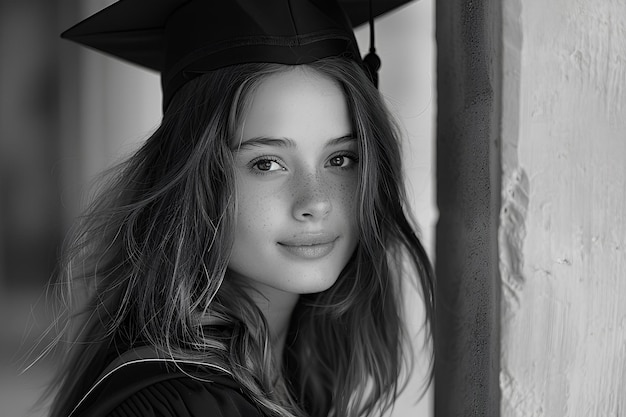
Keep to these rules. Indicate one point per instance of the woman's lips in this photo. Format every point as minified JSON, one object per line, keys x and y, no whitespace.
{"x":314,"y":249}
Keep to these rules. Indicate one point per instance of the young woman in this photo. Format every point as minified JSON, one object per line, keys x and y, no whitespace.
{"x":249,"y":259}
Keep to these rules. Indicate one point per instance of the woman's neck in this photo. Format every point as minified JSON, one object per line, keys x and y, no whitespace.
{"x":277,"y":307}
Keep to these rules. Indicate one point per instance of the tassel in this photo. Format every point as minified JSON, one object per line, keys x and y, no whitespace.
{"x":371,"y":60}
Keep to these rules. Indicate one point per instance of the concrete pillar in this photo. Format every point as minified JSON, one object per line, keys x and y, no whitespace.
{"x":468,"y":178}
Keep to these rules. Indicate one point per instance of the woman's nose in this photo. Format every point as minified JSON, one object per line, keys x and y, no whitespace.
{"x":312,"y":200}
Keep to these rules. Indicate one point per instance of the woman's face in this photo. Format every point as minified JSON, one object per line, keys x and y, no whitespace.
{"x":296,"y":163}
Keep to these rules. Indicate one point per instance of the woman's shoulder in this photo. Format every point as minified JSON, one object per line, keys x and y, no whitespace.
{"x":144,"y":386}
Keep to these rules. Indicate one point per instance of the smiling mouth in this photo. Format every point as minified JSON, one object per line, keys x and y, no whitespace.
{"x":309,"y":250}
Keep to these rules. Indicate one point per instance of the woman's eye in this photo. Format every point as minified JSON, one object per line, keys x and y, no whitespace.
{"x":267,"y":165}
{"x":342,"y":161}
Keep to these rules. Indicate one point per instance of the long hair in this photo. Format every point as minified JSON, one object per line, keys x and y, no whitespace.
{"x":150,"y":258}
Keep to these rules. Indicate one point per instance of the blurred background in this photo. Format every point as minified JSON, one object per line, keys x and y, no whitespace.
{"x":67,"y":113}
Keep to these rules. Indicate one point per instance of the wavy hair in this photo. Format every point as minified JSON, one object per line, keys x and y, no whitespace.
{"x":150,"y":260}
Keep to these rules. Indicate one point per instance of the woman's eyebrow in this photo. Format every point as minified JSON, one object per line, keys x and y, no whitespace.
{"x":259,"y":141}
{"x":265,"y":141}
{"x":346,"y":139}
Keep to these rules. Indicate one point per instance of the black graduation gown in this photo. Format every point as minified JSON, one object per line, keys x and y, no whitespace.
{"x":152,"y":387}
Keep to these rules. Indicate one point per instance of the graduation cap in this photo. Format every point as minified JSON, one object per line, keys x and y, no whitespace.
{"x":184,"y":38}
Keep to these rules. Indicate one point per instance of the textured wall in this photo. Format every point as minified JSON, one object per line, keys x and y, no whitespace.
{"x":563,"y":232}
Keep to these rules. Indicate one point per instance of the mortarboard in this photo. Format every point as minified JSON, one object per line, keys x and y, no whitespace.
{"x":184,"y":38}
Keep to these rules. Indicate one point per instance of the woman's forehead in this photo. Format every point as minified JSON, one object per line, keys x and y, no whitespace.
{"x":296,"y":104}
